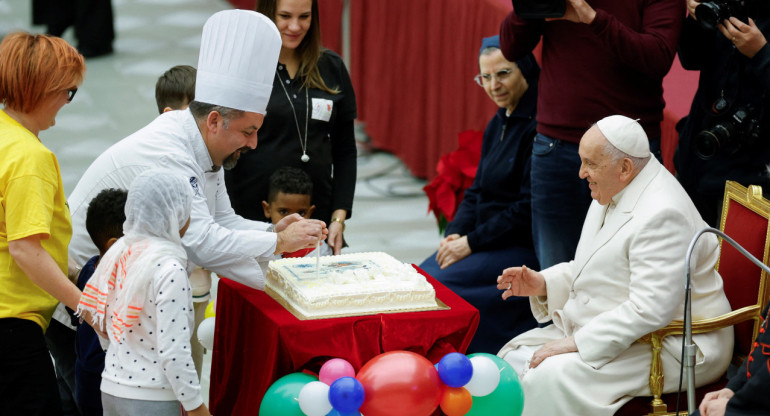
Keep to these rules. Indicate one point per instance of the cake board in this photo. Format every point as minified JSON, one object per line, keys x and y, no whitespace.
{"x":440,"y":306}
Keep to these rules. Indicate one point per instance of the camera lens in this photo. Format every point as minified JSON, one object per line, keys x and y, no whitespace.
{"x":706,"y":145}
{"x":710,"y":15}
{"x":708,"y":142}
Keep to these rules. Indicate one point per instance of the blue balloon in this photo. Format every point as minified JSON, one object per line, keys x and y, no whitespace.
{"x":334,"y":412}
{"x":455,"y":369}
{"x":346,"y":395}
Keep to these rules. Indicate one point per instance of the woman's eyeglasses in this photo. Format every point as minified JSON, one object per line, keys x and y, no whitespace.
{"x":71,"y":93}
{"x":500,"y":76}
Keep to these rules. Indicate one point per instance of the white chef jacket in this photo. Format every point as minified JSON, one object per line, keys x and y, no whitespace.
{"x":217,"y":239}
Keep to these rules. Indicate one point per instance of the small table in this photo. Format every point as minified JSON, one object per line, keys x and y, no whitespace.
{"x":257,"y":341}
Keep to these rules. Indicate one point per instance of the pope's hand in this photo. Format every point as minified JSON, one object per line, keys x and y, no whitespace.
{"x":521,"y":281}
{"x":559,"y":346}
{"x":300,"y":234}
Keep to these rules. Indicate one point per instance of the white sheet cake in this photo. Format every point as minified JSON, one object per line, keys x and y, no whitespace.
{"x":349,"y":284}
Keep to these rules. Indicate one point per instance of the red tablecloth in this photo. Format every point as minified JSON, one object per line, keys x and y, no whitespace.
{"x":257,"y":341}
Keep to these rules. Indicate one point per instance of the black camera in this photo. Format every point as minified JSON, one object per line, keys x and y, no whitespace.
{"x":710,"y":13}
{"x":539,"y":9}
{"x":729,"y":134}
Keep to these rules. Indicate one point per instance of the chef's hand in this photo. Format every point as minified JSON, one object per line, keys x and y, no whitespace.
{"x":300,"y":234}
{"x":285,"y":221}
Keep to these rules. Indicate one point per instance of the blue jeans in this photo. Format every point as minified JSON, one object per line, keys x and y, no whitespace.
{"x":560,"y":199}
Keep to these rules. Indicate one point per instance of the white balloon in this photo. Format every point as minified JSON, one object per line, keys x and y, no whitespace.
{"x":485,"y":378}
{"x":314,"y":399}
{"x":206,"y":333}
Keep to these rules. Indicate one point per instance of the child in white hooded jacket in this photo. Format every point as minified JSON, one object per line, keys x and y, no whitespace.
{"x":140,"y":294}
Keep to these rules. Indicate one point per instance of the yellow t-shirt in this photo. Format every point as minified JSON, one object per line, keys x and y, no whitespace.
{"x":31,"y":202}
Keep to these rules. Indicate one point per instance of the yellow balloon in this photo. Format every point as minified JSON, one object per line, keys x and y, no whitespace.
{"x":210,"y":310}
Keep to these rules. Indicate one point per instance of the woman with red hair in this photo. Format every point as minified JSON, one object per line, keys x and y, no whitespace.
{"x":39,"y":74}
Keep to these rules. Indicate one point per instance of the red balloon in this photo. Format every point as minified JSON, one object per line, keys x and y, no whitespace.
{"x":400,"y":383}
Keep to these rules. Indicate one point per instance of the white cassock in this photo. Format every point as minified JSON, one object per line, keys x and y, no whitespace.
{"x":217,"y":239}
{"x":627,"y":279}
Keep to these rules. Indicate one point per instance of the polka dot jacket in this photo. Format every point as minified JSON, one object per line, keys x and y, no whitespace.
{"x":153,"y":360}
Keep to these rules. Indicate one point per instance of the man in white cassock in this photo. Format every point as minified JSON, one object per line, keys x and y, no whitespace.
{"x":627,"y":279}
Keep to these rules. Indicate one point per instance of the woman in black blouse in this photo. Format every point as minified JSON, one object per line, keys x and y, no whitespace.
{"x":309,"y":123}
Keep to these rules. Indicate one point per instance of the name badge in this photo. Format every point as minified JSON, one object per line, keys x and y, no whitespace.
{"x":322,"y":109}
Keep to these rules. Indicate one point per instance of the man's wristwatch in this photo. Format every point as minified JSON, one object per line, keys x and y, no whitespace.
{"x":341,"y":221}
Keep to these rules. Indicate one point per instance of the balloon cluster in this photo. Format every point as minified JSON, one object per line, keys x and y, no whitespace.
{"x":400,"y":383}
{"x":479,"y":384}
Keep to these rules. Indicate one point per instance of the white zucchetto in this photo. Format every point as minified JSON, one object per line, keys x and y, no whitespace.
{"x":626,"y":134}
{"x":238,"y":56}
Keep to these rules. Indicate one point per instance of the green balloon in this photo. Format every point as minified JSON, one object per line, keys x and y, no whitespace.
{"x":508,"y":397}
{"x":282,"y":398}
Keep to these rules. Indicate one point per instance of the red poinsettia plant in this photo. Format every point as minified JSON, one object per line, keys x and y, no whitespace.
{"x":456,"y":171}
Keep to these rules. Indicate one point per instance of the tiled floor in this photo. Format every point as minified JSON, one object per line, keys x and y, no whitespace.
{"x":117,"y":98}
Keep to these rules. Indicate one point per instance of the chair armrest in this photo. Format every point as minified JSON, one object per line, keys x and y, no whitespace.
{"x":700,"y":326}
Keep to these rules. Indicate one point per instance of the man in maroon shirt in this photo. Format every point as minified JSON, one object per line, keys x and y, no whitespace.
{"x":607,"y":57}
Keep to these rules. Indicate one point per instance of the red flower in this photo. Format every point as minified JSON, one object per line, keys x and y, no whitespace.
{"x":456,"y":171}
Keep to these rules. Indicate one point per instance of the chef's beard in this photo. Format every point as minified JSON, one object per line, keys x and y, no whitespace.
{"x":232,"y":160}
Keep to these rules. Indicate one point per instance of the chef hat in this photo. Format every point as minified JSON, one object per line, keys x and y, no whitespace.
{"x":236,"y":66}
{"x":626,"y":134}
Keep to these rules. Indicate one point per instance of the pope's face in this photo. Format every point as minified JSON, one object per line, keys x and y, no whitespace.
{"x":229,"y":140}
{"x":293,"y":18}
{"x":597,"y":167}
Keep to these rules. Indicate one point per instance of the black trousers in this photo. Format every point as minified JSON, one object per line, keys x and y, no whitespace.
{"x":27,"y":379}
{"x":60,"y":340}
{"x":92,"y":19}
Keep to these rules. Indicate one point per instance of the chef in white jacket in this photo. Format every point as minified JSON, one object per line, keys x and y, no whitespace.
{"x":238,"y":56}
{"x":627,"y":279}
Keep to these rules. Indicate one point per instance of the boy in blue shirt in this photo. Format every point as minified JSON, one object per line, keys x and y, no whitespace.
{"x":289,"y":193}
{"x":104,"y":222}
